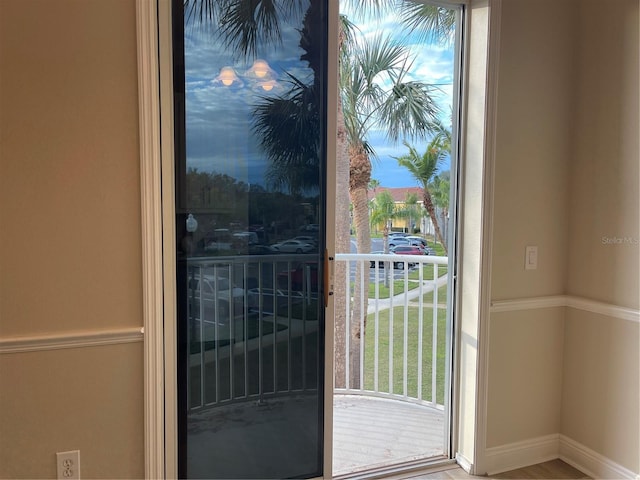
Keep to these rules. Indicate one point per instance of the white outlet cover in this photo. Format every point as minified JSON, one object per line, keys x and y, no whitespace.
{"x":68,"y":465}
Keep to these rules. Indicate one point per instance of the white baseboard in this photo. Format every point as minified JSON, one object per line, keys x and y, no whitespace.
{"x":522,"y":454}
{"x":549,"y":447}
{"x":591,"y":462}
{"x":464,"y":462}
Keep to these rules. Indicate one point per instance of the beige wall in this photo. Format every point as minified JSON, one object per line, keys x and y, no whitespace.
{"x":533,"y":148}
{"x":70,"y":255}
{"x":601,"y":407}
{"x":566,"y":175}
{"x":605,"y":164}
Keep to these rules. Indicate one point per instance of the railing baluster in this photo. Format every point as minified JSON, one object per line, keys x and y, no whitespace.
{"x":434,"y":340}
{"x":420,"y":328}
{"x":376,"y":356}
{"x":231,"y":320}
{"x":405,"y":343}
{"x":347,"y":325}
{"x":363,"y":314}
{"x":391,"y":285}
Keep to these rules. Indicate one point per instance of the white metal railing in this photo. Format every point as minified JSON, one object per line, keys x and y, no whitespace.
{"x":398,"y":341}
{"x":251,"y":327}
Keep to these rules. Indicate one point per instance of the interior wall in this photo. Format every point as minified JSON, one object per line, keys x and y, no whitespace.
{"x":604,"y":253}
{"x":530,"y":209}
{"x":70,"y":244}
{"x":567,"y":180}
{"x":601,"y":404}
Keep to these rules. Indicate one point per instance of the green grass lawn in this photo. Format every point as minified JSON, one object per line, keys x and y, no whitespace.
{"x":412,"y":352}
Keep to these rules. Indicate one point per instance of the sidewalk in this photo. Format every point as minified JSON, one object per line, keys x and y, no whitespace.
{"x":404,"y":297}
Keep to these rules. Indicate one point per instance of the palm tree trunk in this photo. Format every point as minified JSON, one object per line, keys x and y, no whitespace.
{"x":359,"y":177}
{"x":428,"y":204}
{"x":343,"y":245}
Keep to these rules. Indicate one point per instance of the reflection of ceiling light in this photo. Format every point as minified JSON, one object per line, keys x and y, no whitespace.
{"x":228,"y":77}
{"x":260,"y":76}
{"x":261,"y":68}
{"x":267,"y":86}
{"x":261,"y":71}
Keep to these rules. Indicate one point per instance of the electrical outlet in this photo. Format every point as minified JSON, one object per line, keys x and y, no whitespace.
{"x":68,"y":465}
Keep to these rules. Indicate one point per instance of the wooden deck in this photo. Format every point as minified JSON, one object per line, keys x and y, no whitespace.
{"x":375,"y":432}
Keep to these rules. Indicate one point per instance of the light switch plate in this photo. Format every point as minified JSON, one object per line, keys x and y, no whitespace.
{"x":531,"y":258}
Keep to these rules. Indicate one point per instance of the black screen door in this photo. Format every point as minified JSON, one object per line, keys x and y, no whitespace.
{"x":249,"y":100}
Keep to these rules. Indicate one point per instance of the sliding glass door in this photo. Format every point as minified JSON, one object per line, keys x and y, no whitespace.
{"x":250,"y":128}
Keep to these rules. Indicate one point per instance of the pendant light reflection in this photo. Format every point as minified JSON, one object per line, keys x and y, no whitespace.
{"x":228,"y":78}
{"x":261,"y":78}
{"x":261,"y":70}
{"x":270,"y":86}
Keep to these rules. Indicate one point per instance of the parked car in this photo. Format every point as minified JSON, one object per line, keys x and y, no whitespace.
{"x":307,"y":239}
{"x":214,"y":295}
{"x":274,"y":302}
{"x":396,"y":241}
{"x":245,"y":238}
{"x":408,"y":250}
{"x":303,"y":272}
{"x":261,"y":250}
{"x":293,"y":246}
{"x":396,"y":265}
{"x":415,"y":240}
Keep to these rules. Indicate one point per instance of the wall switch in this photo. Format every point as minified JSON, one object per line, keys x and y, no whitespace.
{"x":531,"y":258}
{"x":68,"y":465}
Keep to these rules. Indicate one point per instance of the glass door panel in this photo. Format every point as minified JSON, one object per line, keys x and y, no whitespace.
{"x":250,"y":119}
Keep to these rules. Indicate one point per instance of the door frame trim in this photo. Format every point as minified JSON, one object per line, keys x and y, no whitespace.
{"x":151,"y":231}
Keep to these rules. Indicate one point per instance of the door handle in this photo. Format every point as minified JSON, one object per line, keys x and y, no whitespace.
{"x":327,"y":276}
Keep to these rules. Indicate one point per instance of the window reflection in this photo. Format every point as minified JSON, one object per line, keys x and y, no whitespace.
{"x":249,"y":222}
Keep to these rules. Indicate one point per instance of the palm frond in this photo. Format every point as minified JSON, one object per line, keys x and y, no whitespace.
{"x":287,"y":130}
{"x":431,"y":22}
{"x":409,"y":110}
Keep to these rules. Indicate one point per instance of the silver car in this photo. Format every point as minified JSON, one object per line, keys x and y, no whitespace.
{"x":293,"y":246}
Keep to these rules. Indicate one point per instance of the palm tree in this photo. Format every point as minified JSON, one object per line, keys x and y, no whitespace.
{"x":411,"y":210}
{"x":383,"y":211}
{"x":423,"y":168}
{"x":375,"y":94}
{"x":440,"y":188}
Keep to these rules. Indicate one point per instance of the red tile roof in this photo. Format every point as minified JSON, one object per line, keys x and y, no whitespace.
{"x":399,"y":194}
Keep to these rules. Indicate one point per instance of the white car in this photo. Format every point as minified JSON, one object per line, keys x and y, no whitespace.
{"x":397,"y":241}
{"x":274,"y":302}
{"x":214,"y":297}
{"x":293,"y":246}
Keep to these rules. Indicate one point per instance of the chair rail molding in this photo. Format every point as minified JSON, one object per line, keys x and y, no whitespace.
{"x":570,"y":301}
{"x":77,"y":339}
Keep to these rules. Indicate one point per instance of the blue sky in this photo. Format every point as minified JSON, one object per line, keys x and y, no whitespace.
{"x":218,"y":118}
